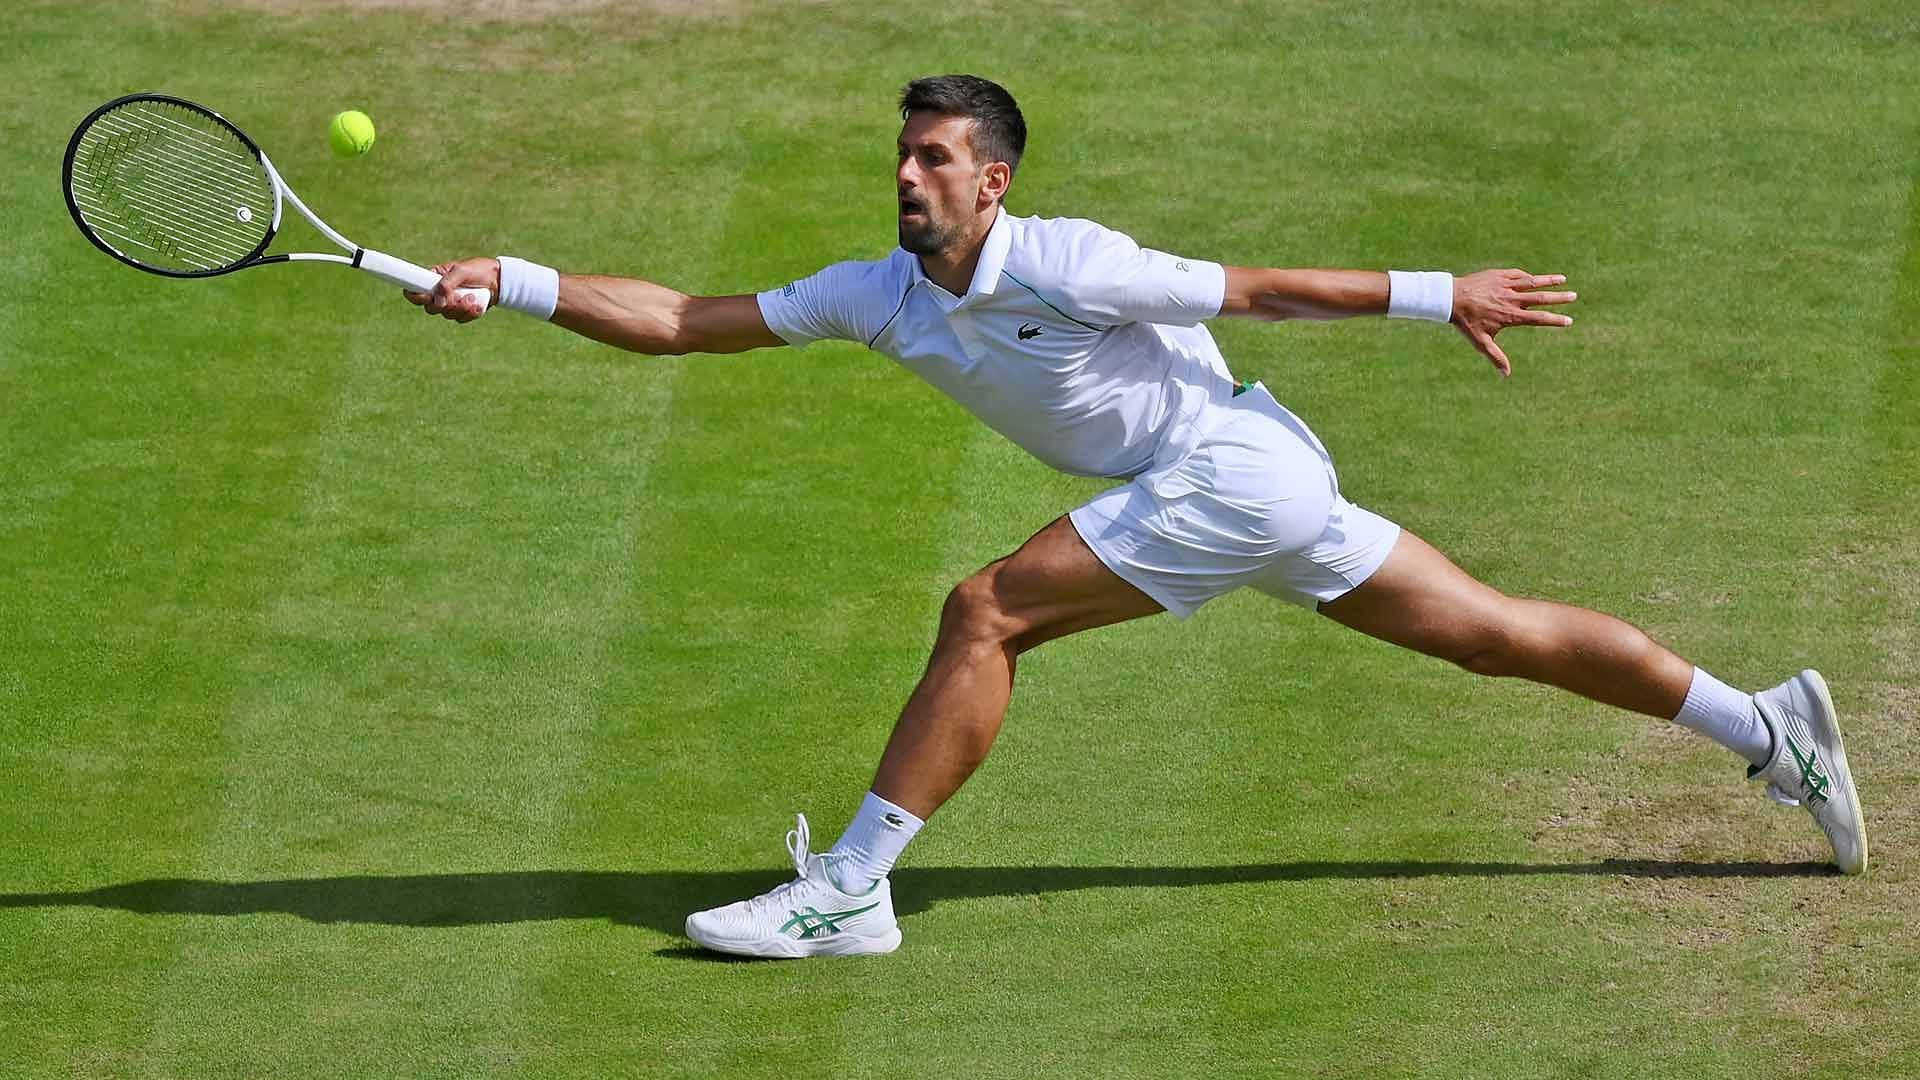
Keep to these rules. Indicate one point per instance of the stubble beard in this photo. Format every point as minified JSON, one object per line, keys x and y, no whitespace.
{"x":930,"y":238}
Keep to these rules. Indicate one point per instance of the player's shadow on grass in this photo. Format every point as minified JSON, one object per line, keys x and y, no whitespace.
{"x":661,"y":899}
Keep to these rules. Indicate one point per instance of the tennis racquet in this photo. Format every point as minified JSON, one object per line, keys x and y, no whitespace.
{"x":174,"y":188}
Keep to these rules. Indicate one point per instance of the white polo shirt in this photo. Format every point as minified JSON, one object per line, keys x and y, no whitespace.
{"x":1075,"y":342}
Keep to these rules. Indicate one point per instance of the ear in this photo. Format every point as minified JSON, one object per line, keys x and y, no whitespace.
{"x":994,"y":181}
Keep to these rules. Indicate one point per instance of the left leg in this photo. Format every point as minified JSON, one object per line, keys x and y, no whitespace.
{"x":1790,"y":734}
{"x":1420,"y":600}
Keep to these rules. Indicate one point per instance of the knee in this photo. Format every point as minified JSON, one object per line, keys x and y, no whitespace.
{"x":974,"y":615}
{"x":1495,"y":655}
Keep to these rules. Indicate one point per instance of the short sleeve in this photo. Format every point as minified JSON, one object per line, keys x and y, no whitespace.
{"x":1112,"y":279}
{"x":829,"y":305}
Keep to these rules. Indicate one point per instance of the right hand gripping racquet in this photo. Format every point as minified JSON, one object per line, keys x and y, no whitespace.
{"x":174,"y":188}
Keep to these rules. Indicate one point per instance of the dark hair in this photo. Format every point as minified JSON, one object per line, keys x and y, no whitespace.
{"x":999,"y":131}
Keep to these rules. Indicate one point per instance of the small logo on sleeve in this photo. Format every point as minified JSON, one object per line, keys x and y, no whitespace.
{"x":1029,"y":331}
{"x":1181,"y":265}
{"x":792,"y":287}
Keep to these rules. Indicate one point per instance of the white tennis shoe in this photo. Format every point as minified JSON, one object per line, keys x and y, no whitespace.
{"x":1809,"y":766}
{"x":808,"y":916}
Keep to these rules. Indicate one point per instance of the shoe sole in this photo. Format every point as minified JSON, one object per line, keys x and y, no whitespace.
{"x":1827,"y":730}
{"x":781,"y":947}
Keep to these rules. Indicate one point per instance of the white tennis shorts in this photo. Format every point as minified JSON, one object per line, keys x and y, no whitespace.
{"x":1256,"y":503}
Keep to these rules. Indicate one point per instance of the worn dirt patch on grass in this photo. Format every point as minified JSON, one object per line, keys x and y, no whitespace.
{"x":488,"y":10}
{"x":1826,"y":956}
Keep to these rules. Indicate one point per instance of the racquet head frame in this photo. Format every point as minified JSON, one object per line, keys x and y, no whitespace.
{"x":251,"y":258}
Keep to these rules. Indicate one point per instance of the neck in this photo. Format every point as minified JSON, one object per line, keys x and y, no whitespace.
{"x":952,"y":269}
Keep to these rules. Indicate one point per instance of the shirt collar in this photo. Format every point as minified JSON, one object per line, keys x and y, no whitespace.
{"x":993,"y":255}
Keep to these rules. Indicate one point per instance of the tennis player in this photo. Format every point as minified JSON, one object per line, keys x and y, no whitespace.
{"x":1090,"y":352}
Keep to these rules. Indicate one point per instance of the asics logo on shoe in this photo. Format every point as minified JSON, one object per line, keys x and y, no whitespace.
{"x":1811,"y":774}
{"x":810,"y":923}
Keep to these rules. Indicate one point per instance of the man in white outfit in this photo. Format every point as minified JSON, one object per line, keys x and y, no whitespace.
{"x":1089,"y":352}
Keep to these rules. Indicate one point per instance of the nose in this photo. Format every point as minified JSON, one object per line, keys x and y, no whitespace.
{"x":907,"y":173}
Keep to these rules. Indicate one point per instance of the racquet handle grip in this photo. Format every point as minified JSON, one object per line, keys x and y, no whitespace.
{"x":408,"y":276}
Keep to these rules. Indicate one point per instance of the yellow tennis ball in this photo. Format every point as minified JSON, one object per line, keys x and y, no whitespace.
{"x":350,"y":134}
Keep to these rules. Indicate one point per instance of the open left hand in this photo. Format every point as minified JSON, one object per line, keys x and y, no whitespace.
{"x":1492,"y":300}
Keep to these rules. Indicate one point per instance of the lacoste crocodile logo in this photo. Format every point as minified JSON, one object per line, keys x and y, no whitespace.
{"x":1029,"y":330}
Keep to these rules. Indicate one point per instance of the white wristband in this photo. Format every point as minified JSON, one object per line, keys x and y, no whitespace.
{"x":528,"y":287}
{"x":1419,"y":294}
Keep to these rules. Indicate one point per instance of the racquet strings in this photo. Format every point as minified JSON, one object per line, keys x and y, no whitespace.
{"x":171,"y":188}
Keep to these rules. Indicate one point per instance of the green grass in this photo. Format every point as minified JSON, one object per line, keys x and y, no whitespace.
{"x":376,"y":696}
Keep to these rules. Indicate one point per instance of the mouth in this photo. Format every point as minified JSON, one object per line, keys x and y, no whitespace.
{"x":912,"y":208}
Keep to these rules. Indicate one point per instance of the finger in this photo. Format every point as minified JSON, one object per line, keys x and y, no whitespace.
{"x":465,"y":274}
{"x":432,"y":299}
{"x":1492,"y":351}
{"x":1541,"y":281}
{"x":1542,"y":318}
{"x":470,"y":274}
{"x":1535,"y":299}
{"x":450,"y":306}
{"x":443,"y":290}
{"x":417,"y":299}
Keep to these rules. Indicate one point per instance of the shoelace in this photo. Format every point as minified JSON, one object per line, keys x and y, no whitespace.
{"x":798,"y":839}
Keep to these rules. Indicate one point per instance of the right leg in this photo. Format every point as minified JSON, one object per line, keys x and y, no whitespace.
{"x":841,"y":903}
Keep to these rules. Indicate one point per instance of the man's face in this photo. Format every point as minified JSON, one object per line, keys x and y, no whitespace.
{"x":938,"y":180}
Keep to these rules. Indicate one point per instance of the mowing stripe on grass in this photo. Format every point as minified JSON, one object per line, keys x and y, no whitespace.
{"x":475,"y":711}
{"x":402,"y":710}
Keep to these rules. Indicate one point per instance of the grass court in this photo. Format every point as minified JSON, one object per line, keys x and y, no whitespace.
{"x":377,"y":696}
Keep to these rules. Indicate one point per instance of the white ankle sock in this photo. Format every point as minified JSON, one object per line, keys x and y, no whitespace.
{"x":1727,"y":716}
{"x":875,"y":838}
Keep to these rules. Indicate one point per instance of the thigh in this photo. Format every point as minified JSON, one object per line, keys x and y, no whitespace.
{"x":1055,"y":585}
{"x":1420,"y":600}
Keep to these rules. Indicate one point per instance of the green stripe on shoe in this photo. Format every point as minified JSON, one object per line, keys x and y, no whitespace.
{"x":814,"y":923}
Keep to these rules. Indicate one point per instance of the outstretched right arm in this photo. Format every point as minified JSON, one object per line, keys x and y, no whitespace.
{"x":625,"y":312}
